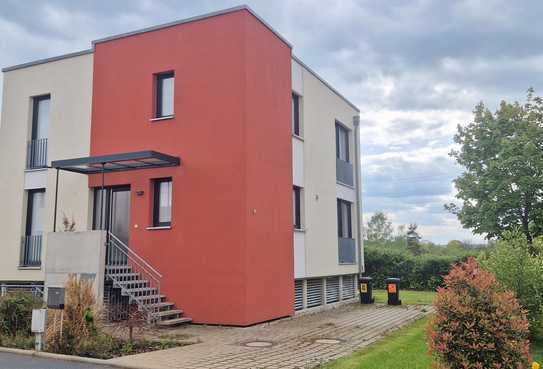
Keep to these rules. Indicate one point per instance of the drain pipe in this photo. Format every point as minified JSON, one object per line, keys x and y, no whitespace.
{"x":356,"y":123}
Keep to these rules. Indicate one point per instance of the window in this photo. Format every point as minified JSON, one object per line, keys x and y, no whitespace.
{"x":342,"y":143}
{"x":162,"y":209}
{"x":40,"y":116}
{"x":344,"y":219}
{"x":34,"y":212}
{"x":297,"y":207}
{"x":164,"y":94}
{"x":296,"y":114}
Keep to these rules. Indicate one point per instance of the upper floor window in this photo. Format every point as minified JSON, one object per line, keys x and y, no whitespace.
{"x":164,"y":94}
{"x":342,"y":142}
{"x":40,"y":116}
{"x":297,"y":207}
{"x":344,"y":219}
{"x":296,"y":114}
{"x":162,"y":209}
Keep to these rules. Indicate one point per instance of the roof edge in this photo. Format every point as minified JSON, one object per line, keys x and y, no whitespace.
{"x":47,"y":60}
{"x":194,"y":19}
{"x":298,"y":60}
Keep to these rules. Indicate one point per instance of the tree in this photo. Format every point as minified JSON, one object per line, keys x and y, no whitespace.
{"x":502,"y":154}
{"x":413,"y":239}
{"x":379,"y":228}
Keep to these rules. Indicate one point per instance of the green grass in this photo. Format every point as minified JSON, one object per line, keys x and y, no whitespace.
{"x":407,"y":297}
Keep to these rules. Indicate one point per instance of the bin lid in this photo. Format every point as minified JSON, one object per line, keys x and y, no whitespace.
{"x":366,"y":279}
{"x":393,"y":280}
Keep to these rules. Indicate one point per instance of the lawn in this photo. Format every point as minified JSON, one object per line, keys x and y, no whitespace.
{"x":405,"y":348}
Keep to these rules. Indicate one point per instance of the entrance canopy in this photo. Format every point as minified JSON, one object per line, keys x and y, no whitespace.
{"x":117,"y":162}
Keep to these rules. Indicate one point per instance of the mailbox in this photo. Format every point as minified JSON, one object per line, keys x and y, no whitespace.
{"x":55,"y":298}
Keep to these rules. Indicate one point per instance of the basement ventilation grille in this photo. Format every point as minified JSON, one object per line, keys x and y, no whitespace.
{"x":314,"y":292}
{"x":348,"y":287}
{"x":332,"y":289}
{"x":298,"y":295}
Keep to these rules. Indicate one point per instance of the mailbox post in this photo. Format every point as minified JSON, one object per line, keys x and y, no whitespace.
{"x":39,"y":321}
{"x":393,"y":291}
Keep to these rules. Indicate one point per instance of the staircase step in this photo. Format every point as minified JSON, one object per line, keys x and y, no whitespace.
{"x":118,"y":267}
{"x":141,"y":290}
{"x":150,"y":297}
{"x":132,"y":281}
{"x":167,"y":313}
{"x":161,"y":305}
{"x":124,"y":276}
{"x":174,"y":322}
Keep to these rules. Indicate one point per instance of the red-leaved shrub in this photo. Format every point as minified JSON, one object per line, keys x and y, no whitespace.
{"x":477,"y":325}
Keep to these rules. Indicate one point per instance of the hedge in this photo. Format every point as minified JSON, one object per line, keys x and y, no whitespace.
{"x":424,"y":272}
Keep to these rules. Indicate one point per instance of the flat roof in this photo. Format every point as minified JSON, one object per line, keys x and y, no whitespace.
{"x":117,"y":162}
{"x":175,"y":23}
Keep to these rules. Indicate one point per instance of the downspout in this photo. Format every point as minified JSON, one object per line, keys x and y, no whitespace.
{"x":356,"y":123}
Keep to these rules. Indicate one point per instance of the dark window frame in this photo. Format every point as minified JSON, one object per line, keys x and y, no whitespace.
{"x":35,"y":111}
{"x":30,"y":209}
{"x":159,"y":77}
{"x":156,"y":202}
{"x":296,"y":114}
{"x":348,"y":205}
{"x":341,"y":128}
{"x":297,"y":207}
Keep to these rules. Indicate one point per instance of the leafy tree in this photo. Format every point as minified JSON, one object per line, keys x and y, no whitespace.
{"x":413,"y":239}
{"x":379,"y":228}
{"x":502,"y":185}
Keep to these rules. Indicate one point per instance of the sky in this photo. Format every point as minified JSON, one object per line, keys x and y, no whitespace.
{"x":416,"y":69}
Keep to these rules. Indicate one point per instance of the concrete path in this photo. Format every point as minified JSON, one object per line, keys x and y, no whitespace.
{"x":301,"y":342}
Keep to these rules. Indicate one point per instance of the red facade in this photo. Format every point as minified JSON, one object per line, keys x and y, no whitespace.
{"x":228,"y":257}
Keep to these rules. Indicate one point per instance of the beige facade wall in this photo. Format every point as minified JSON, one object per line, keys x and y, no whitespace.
{"x":69,"y":82}
{"x":321,"y":108}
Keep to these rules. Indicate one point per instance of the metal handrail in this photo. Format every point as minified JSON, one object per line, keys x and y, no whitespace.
{"x":36,"y":155}
{"x":120,"y":255}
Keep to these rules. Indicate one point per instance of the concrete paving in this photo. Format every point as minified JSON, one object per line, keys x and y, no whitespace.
{"x":15,"y":361}
{"x":301,"y":342}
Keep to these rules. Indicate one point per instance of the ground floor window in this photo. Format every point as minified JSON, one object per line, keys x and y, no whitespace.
{"x":162,"y":208}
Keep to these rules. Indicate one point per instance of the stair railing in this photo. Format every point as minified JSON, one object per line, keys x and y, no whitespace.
{"x":119,"y":260}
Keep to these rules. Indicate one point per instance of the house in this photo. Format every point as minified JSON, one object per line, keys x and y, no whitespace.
{"x":209,"y":174}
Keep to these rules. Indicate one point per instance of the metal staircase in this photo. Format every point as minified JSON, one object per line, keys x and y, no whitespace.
{"x":141,"y":283}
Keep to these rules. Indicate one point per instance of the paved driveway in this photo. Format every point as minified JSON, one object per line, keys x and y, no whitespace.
{"x":14,"y":361}
{"x":301,"y":342}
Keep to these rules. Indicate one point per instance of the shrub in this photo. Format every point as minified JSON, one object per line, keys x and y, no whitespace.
{"x":16,"y":313}
{"x":477,"y":324}
{"x":513,"y":264}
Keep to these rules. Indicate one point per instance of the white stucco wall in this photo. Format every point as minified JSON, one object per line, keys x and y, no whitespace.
{"x":69,"y":82}
{"x":321,"y":107}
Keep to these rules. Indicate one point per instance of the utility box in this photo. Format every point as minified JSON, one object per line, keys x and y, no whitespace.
{"x":55,"y":298}
{"x":39,"y":320}
{"x":366,"y":290}
{"x":393,"y":291}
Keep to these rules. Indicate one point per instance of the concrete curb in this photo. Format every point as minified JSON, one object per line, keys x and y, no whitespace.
{"x":79,"y":359}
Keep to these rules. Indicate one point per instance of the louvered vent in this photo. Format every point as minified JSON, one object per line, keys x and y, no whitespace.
{"x":314,"y":292}
{"x":348,"y":287}
{"x":332,"y":289}
{"x":298,"y":295}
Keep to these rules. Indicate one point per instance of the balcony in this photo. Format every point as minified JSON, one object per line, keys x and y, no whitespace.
{"x":347,"y":250}
{"x":344,"y":172}
{"x":36,"y":154}
{"x":31,"y":251}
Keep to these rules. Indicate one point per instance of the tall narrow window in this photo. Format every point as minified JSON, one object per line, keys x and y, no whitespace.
{"x":162,"y":210}
{"x":342,"y":143}
{"x":31,"y":245}
{"x":344,"y":221}
{"x":297,"y":207}
{"x":37,"y":146}
{"x":296,"y":114}
{"x":164,"y":94}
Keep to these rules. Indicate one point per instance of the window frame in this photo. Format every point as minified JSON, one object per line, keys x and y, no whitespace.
{"x":159,"y":78}
{"x":349,"y":205}
{"x":341,"y":128}
{"x":30,"y":209}
{"x":156,"y":202}
{"x":296,"y":118}
{"x":35,"y":113}
{"x":297,"y":204}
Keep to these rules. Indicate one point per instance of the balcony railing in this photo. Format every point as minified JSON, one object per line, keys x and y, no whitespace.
{"x":36,"y":154}
{"x":31,"y":251}
{"x":347,"y":250}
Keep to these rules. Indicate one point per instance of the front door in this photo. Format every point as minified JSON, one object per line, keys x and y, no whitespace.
{"x":112,"y":211}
